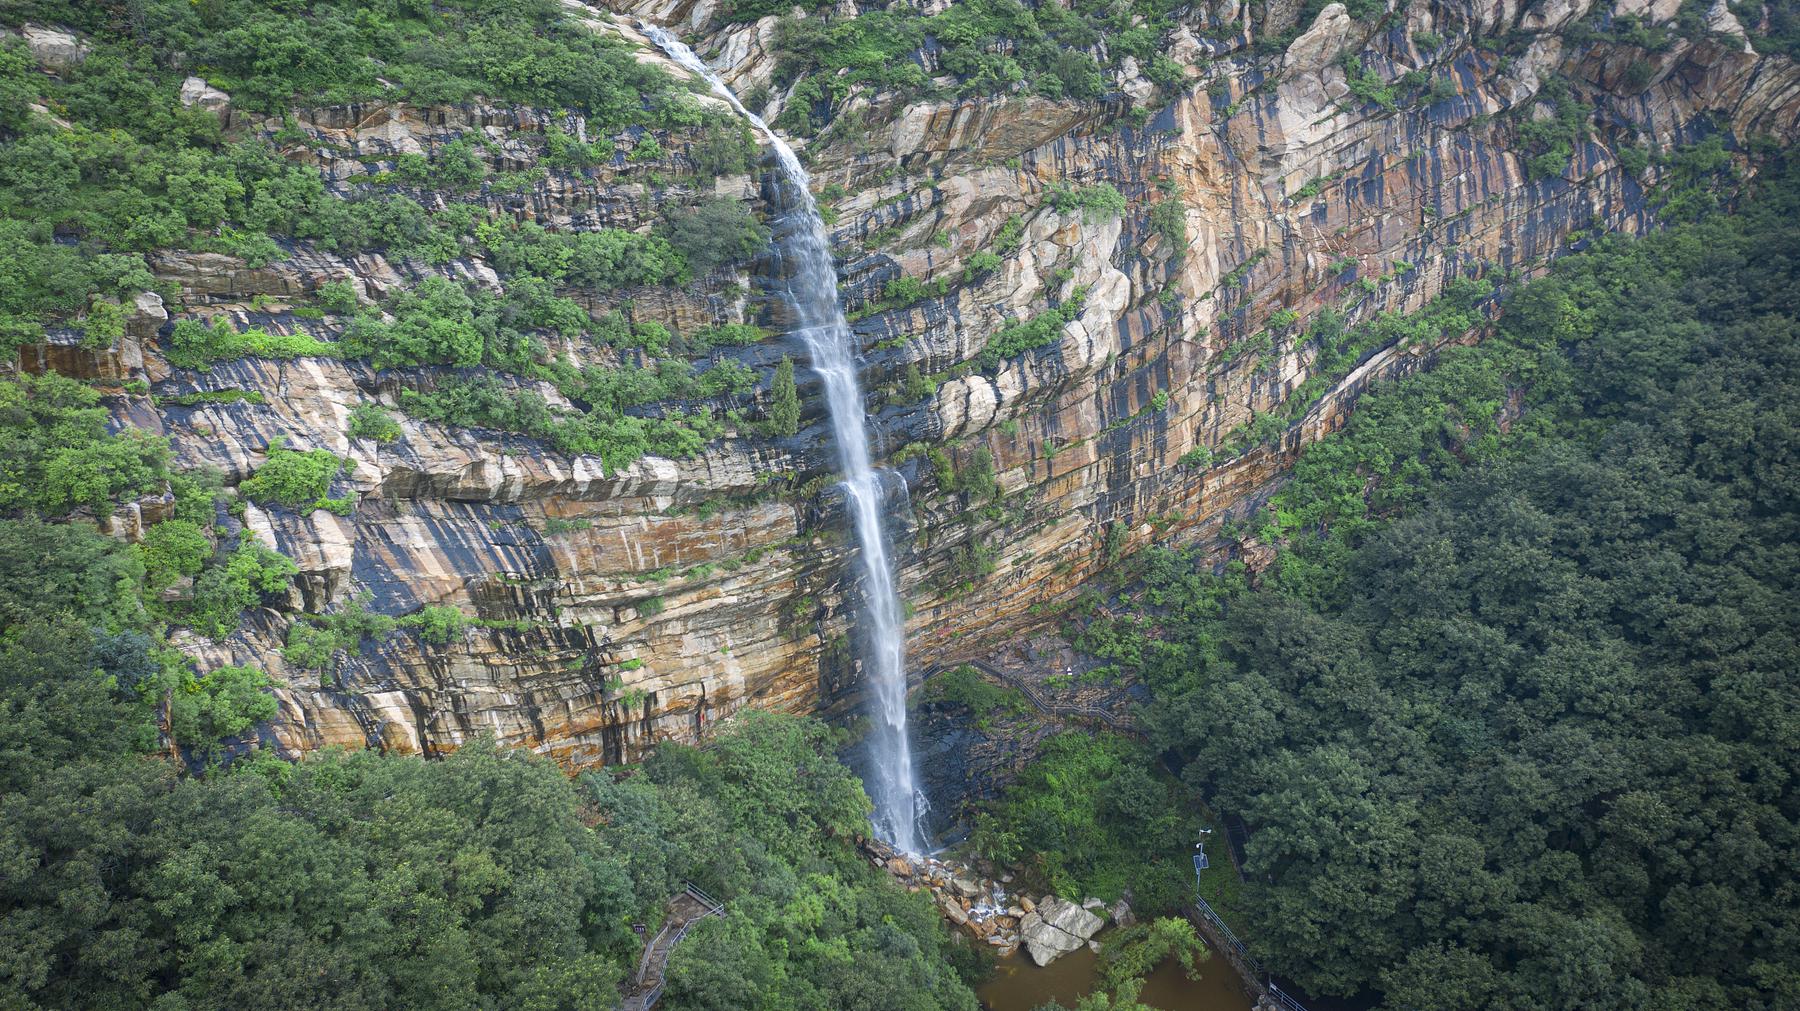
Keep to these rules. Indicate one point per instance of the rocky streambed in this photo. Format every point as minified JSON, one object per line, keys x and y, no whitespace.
{"x":1045,"y":928}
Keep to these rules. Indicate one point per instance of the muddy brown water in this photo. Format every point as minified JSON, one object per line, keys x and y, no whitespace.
{"x":1020,"y":985}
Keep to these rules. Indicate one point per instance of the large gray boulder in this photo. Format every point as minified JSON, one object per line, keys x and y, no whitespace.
{"x":1056,"y":928}
{"x":54,"y":48}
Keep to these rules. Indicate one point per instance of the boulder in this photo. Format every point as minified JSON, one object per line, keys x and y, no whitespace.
{"x":1026,"y":905}
{"x":1120,"y":913}
{"x":53,"y":48}
{"x":952,"y":910}
{"x":1055,"y":929}
{"x":965,"y":886}
{"x":899,"y":867}
{"x":197,"y":94}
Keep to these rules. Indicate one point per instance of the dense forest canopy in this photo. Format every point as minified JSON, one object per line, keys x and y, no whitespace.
{"x":1514,"y":717}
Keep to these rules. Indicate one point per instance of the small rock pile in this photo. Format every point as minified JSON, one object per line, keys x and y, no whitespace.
{"x":1047,"y":928}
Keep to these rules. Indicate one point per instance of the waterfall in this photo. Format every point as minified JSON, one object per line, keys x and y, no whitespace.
{"x":812,"y":291}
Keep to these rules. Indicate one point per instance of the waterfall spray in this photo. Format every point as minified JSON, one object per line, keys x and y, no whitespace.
{"x":812,"y":291}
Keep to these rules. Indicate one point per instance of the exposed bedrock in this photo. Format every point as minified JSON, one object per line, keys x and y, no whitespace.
{"x":625,"y":608}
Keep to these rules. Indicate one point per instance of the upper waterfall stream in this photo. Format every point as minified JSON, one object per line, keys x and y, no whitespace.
{"x":811,"y":289}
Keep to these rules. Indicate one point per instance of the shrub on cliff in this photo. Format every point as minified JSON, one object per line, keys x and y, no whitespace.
{"x":370,"y":421}
{"x":714,"y":232}
{"x":250,"y":575}
{"x":1095,"y":202}
{"x":599,"y":260}
{"x":196,"y":345}
{"x":56,"y":453}
{"x":300,"y":480}
{"x":436,"y":623}
{"x":1020,"y":336}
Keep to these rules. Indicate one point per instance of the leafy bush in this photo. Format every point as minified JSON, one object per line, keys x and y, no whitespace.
{"x":223,"y":703}
{"x":725,"y":335}
{"x":904,"y":291}
{"x":250,"y":574}
{"x":371,"y":421}
{"x":1368,"y":85}
{"x":1551,"y":142}
{"x":1168,"y":220}
{"x":57,"y":454}
{"x":600,"y":260}
{"x":1095,"y":202}
{"x":195,"y":345}
{"x":714,"y":232}
{"x":314,"y":640}
{"x":172,"y":549}
{"x":299,"y":480}
{"x":915,"y":385}
{"x":337,"y":296}
{"x":1016,"y":338}
{"x":981,"y":263}
{"x":436,"y":623}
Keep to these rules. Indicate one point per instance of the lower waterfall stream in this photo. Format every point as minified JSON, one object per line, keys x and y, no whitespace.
{"x":811,"y":288}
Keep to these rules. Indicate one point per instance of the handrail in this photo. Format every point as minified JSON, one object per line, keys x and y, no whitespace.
{"x":712,"y":905}
{"x":647,"y":999}
{"x":649,"y":950}
{"x":1248,"y":966}
{"x":1283,"y":999}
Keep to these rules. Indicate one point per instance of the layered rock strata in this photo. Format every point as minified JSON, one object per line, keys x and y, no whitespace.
{"x":623,"y":608}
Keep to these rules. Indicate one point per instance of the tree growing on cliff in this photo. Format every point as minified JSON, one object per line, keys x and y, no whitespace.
{"x":1506,"y":731}
{"x":784,"y":400}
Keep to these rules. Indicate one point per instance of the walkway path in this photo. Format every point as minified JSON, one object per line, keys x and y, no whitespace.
{"x":686,"y":909}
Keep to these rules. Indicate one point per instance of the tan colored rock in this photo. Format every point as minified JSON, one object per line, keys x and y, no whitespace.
{"x":1318,"y":46}
{"x":458,"y":517}
{"x":54,"y":48}
{"x":1654,"y":11}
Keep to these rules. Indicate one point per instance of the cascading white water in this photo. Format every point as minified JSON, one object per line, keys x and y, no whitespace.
{"x":812,"y":290}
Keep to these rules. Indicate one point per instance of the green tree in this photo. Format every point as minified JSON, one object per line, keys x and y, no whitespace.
{"x":784,"y":400}
{"x":58,"y":454}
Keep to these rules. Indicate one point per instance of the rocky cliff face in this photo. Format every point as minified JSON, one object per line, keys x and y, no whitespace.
{"x":629,"y":607}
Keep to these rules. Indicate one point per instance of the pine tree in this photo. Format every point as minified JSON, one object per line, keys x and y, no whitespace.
{"x":784,"y":400}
